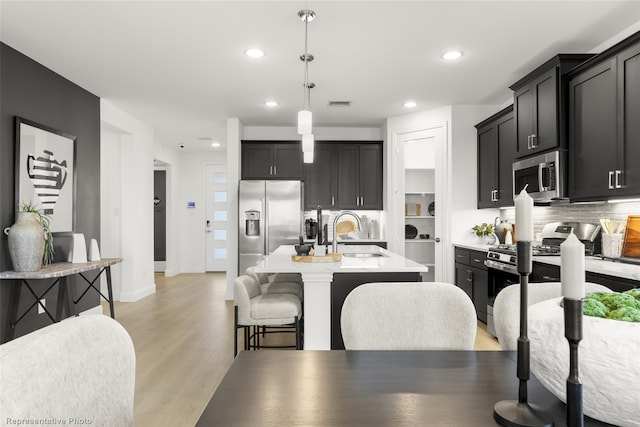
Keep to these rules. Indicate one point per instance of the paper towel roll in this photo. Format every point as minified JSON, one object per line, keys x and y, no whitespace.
{"x":94,"y":252}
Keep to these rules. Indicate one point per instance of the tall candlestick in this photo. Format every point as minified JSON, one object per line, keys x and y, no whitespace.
{"x":572,"y":270}
{"x":524,"y":217}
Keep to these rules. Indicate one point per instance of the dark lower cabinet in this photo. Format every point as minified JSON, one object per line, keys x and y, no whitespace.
{"x":551,"y":273}
{"x":344,"y":283}
{"x":471,"y":276}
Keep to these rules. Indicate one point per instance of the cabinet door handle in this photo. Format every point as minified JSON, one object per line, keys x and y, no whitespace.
{"x":611,"y":186}
{"x":469,"y":276}
{"x":528,"y":142}
{"x":333,"y":202}
{"x":550,"y":279}
{"x":618,"y":176}
{"x":534,"y":144}
{"x":275,"y":170}
{"x":361,"y":200}
{"x":270,"y":170}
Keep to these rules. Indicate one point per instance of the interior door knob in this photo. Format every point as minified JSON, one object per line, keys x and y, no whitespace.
{"x":437,"y":239}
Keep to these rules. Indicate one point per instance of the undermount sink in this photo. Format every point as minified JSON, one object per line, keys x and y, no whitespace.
{"x":363,"y":254}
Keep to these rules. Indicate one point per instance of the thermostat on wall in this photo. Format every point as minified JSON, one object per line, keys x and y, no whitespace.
{"x":191,"y":204}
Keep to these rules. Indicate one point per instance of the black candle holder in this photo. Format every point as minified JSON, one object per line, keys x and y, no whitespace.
{"x":573,"y":334}
{"x":514,"y":413}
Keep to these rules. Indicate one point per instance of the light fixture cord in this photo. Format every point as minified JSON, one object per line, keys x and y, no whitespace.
{"x":306,"y":65}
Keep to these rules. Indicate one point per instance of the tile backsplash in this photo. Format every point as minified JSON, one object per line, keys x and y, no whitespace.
{"x":578,"y":212}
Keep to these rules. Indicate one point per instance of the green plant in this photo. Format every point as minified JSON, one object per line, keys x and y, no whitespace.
{"x":483,"y":229}
{"x":623,"y":306}
{"x":44,"y":221}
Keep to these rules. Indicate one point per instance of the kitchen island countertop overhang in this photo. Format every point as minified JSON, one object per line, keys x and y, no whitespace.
{"x":317,"y":279}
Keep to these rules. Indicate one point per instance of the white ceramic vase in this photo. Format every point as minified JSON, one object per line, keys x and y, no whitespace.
{"x":607,"y":359}
{"x":26,"y":243}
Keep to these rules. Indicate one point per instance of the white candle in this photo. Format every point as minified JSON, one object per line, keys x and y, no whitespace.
{"x":524,"y":217}
{"x":572,"y":270}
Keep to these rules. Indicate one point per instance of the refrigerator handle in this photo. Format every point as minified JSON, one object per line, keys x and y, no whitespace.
{"x":265,"y":214}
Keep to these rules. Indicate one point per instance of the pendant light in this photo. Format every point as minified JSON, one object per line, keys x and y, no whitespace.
{"x":304,"y":116}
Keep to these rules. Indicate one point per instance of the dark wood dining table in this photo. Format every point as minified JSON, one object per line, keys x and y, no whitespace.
{"x":371,"y":388}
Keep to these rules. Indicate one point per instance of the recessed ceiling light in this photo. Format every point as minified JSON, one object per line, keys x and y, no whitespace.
{"x":452,"y":54}
{"x":215,"y":144}
{"x":254,"y":53}
{"x":271,"y":104}
{"x":410,"y":104}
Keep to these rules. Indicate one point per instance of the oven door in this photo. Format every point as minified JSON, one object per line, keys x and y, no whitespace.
{"x":500,"y":275}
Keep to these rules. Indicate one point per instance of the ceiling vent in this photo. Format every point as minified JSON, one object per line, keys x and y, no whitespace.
{"x":339,"y":103}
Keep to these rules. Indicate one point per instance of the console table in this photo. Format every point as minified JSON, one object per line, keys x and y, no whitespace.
{"x":59,"y":272}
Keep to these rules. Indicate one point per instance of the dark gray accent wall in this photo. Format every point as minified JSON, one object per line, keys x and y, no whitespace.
{"x":36,"y":93}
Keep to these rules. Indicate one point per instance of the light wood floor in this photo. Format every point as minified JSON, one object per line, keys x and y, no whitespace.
{"x":183,"y":336}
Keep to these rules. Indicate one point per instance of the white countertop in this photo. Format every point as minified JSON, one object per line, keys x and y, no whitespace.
{"x":592,"y":264}
{"x":280,"y":262}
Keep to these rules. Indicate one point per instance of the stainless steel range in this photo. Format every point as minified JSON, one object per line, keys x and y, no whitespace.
{"x":502,"y":270}
{"x":503,"y":257}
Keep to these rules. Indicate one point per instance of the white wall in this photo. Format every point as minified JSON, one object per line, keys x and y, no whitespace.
{"x":128,"y":145}
{"x":234,"y":135}
{"x":464,"y":171}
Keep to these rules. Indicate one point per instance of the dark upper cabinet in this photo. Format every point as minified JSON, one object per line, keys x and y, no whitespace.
{"x":269,"y":160}
{"x":321,"y":178}
{"x":604,"y":125}
{"x":496,"y":153}
{"x":592,"y":124}
{"x":540,"y":101}
{"x":360,"y":176}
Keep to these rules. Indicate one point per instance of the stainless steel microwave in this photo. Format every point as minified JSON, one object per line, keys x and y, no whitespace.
{"x":544,"y":176}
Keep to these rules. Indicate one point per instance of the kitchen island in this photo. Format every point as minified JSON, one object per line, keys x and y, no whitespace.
{"x":326,"y":284}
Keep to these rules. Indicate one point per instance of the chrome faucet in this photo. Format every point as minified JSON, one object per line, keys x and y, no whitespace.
{"x":334,"y":246}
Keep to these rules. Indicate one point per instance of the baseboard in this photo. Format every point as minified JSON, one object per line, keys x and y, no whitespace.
{"x":171,"y":273}
{"x":135,"y":296}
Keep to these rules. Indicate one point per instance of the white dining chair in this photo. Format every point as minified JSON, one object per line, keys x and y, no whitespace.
{"x":408,"y":316}
{"x":506,"y":307}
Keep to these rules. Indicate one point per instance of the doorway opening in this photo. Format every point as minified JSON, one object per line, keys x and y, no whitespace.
{"x":421,"y":198}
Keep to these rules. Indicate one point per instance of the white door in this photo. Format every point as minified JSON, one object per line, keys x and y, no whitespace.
{"x":216,"y":241}
{"x":420,"y":153}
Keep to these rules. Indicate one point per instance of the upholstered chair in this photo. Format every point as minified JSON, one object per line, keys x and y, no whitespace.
{"x":270,"y":286}
{"x":408,"y":316}
{"x":254,"y":308}
{"x":79,"y":371}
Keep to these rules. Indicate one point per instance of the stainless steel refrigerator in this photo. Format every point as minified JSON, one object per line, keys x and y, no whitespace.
{"x":270,"y":215}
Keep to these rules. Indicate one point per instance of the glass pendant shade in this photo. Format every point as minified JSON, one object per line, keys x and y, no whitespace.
{"x":304,"y":122}
{"x":307,"y":142}
{"x":308,"y":156}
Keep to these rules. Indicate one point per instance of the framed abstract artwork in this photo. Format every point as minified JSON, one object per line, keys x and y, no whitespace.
{"x":45,"y":167}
